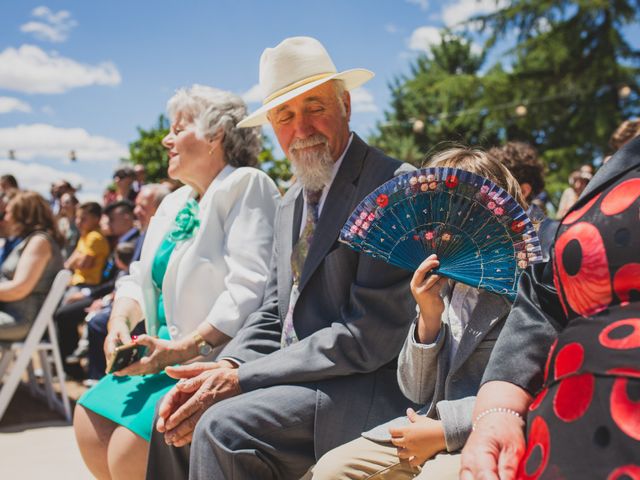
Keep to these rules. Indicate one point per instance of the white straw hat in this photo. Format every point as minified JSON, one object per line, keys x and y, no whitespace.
{"x":293,"y":67}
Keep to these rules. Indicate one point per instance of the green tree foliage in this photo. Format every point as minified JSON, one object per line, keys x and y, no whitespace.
{"x":426,"y":105}
{"x":569,"y":66}
{"x":148,"y":150}
{"x":559,"y":88}
{"x":277,"y":168}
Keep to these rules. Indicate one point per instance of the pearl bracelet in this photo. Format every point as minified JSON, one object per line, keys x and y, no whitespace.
{"x":488,"y":411}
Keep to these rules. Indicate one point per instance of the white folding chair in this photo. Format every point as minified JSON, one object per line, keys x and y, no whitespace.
{"x":22,"y":354}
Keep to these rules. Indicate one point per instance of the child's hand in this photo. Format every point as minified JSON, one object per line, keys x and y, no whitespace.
{"x":419,"y":441}
{"x":425,"y":288}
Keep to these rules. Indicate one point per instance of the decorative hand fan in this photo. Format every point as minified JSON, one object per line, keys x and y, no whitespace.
{"x":481,"y":235}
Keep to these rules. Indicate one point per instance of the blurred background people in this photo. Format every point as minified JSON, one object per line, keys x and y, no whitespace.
{"x":123,"y":179}
{"x":626,"y":131}
{"x":27,"y":272}
{"x":8,"y":183}
{"x":577,"y":183}
{"x":67,"y":222}
{"x":524,"y":163}
{"x":140,"y":177}
{"x":58,"y":189}
{"x":119,"y":228}
{"x":90,"y":255}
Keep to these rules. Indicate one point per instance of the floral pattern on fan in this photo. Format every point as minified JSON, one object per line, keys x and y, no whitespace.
{"x":482,"y":236}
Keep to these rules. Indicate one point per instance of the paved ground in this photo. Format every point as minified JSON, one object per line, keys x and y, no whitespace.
{"x":36,"y":443}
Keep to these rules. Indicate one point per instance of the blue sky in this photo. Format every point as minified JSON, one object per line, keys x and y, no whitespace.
{"x":84,"y":75}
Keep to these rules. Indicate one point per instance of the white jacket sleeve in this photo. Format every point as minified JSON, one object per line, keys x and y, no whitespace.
{"x":248,"y":229}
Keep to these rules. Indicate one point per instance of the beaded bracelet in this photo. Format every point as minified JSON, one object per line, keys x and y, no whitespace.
{"x":486,"y":412}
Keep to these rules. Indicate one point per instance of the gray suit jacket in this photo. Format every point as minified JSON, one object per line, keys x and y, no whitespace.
{"x":446,"y":390}
{"x":352,"y":315}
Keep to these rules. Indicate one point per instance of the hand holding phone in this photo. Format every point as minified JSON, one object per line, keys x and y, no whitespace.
{"x":125,"y":355}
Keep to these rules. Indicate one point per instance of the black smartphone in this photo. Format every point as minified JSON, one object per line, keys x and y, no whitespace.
{"x":126,"y":355}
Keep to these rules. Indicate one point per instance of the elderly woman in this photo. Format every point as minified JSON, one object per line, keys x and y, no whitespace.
{"x":202,"y":271}
{"x":30,"y":267}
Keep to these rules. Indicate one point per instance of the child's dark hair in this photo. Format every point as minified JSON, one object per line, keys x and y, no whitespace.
{"x":92,"y":208}
{"x":124,"y":252}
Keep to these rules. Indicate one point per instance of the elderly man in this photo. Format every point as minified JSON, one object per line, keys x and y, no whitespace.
{"x":316,"y":365}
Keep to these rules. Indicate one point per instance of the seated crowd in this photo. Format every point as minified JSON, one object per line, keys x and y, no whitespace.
{"x":274,"y":351}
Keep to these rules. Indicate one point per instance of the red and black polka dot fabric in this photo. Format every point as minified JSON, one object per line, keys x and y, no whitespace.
{"x":585,"y":423}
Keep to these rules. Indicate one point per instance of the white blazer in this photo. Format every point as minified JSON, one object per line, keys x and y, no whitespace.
{"x":219,"y":274}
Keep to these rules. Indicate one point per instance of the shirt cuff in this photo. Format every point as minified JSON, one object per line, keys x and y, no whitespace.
{"x":233,"y":360}
{"x":425,"y":346}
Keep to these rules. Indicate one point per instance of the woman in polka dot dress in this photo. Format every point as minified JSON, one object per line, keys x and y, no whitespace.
{"x":585,"y":421}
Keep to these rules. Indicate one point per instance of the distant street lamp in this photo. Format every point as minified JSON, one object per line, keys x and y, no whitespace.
{"x":521,"y":110}
{"x":72,"y":155}
{"x":12,"y":154}
{"x":418,"y":126}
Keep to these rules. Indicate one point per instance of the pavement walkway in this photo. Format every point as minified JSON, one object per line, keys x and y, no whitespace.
{"x":36,"y":443}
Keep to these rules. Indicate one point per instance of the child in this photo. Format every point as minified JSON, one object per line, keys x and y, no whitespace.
{"x":90,"y":255}
{"x":440,"y":366}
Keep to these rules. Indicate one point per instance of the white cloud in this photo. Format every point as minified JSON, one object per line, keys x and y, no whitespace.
{"x":53,"y":27}
{"x":462,"y":10}
{"x":31,"y":70}
{"x":362,"y":101}
{"x":423,"y":4}
{"x":46,"y":141}
{"x":48,"y":110}
{"x":253,"y":95}
{"x":423,"y":38}
{"x":10,"y":104}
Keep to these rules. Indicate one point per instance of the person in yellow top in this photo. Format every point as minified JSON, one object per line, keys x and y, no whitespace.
{"x":90,"y":255}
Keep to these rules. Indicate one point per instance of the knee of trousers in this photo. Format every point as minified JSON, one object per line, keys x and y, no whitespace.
{"x":222,"y":423}
{"x":336,"y":463}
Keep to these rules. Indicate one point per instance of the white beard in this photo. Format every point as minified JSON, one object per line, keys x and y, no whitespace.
{"x":312,"y":167}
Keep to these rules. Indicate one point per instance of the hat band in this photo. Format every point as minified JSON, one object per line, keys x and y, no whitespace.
{"x":295,"y":85}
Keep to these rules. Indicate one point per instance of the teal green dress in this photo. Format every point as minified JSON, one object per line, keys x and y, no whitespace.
{"x":131,"y":401}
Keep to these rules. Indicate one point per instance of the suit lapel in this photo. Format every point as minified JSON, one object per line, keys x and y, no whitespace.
{"x":288,"y":230}
{"x":337,"y":207}
{"x":488,"y":310}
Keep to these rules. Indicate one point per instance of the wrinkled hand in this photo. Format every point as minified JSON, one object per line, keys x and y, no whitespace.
{"x":494,"y":449}
{"x":419,"y":441}
{"x":160,"y":354}
{"x":118,"y":335}
{"x":201,"y":385}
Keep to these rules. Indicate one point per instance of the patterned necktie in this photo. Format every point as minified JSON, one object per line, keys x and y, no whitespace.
{"x":298,"y":257}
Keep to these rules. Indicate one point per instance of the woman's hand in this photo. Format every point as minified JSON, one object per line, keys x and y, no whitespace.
{"x":419,"y":441}
{"x":118,"y":335}
{"x":426,"y":288}
{"x":494,"y":449}
{"x":160,"y":354}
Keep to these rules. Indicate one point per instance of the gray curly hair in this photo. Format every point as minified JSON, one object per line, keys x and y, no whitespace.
{"x":211,"y":110}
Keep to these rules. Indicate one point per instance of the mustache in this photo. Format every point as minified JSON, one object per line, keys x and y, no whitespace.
{"x":312,"y":141}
